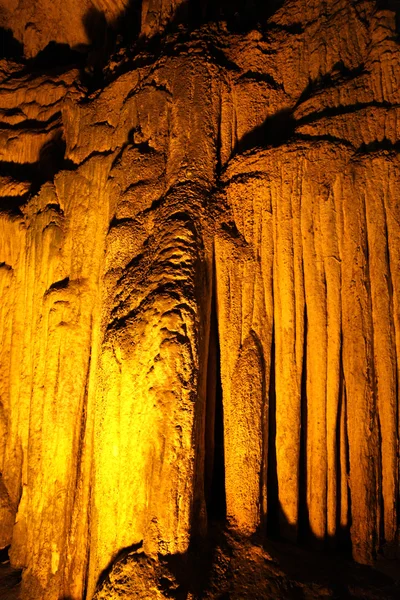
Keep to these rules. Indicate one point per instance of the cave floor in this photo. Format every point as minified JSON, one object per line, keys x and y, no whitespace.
{"x":9,"y":582}
{"x":278,"y":571}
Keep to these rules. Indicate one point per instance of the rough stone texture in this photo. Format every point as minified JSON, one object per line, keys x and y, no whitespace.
{"x":200,"y":279}
{"x":36,"y":23}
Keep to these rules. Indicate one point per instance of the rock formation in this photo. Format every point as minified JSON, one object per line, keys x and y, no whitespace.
{"x":200,"y":284}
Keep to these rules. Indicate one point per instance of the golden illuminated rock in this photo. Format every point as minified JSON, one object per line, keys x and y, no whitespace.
{"x":200,"y":284}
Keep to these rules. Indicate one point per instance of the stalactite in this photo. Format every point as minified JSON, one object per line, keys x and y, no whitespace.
{"x":200,"y":283}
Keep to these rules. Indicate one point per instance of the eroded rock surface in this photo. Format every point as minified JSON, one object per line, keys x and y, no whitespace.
{"x":200,"y":279}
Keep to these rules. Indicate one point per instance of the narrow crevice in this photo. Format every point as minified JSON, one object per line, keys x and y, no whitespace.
{"x":272,"y":472}
{"x":392,"y":313}
{"x":4,"y":555}
{"x":263,"y":499}
{"x":343,"y":531}
{"x":218,"y":144}
{"x":86,"y":569}
{"x":345,"y":540}
{"x":338,"y":465}
{"x":215,"y":454}
{"x":304,"y":533}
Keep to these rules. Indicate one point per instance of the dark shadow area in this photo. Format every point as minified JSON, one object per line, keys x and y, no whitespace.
{"x":34,"y":175}
{"x":276,"y":130}
{"x":122,"y":37}
{"x":226,"y":564}
{"x":278,"y":527}
{"x":280,"y":128}
{"x":273,"y":508}
{"x":51,"y":161}
{"x":20,"y":173}
{"x":239,"y":15}
{"x":377,"y":146}
{"x":394,"y":6}
{"x":59,"y":285}
{"x":339,"y":74}
{"x":105,"y":38}
{"x":174,"y":575}
{"x":11,"y":205}
{"x":343,"y":539}
{"x":120,"y":556}
{"x":51,"y":157}
{"x":261,"y":78}
{"x":304,"y":532}
{"x":231,"y":229}
{"x":56,"y":56}
{"x":190,"y":572}
{"x":335,"y":111}
{"x":32,"y":124}
{"x":215,"y":458}
{"x":100,"y":41}
{"x":127,"y":25}
{"x":10,"y":578}
{"x":337,"y":572}
{"x":263,"y":486}
{"x":10,"y":47}
{"x":4,"y":555}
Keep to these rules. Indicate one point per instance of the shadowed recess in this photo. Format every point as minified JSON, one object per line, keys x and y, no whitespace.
{"x":9,"y":46}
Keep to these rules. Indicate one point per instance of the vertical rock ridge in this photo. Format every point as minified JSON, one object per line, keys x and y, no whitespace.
{"x":200,"y":283}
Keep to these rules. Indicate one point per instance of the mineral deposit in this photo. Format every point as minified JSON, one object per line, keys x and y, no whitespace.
{"x":200,"y":290}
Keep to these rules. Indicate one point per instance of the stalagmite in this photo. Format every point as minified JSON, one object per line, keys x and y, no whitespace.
{"x":200,"y":284}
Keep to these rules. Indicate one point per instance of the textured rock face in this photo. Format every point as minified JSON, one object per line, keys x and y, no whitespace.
{"x":200,"y":279}
{"x":38,"y":22}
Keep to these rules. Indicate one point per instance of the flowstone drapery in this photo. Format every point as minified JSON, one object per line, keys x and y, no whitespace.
{"x":200,"y":277}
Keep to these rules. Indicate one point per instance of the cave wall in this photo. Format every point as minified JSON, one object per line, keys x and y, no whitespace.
{"x":206,"y":237}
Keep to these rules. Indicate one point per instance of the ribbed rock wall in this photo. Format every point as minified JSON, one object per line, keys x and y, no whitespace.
{"x":200,"y":278}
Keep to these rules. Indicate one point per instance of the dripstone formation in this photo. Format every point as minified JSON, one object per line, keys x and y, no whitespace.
{"x":200,"y":294}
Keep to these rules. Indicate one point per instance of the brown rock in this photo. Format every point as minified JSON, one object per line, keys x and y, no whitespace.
{"x":200,"y":283}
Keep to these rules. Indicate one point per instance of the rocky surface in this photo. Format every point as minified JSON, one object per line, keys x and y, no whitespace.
{"x":200,"y":276}
{"x":231,"y":567}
